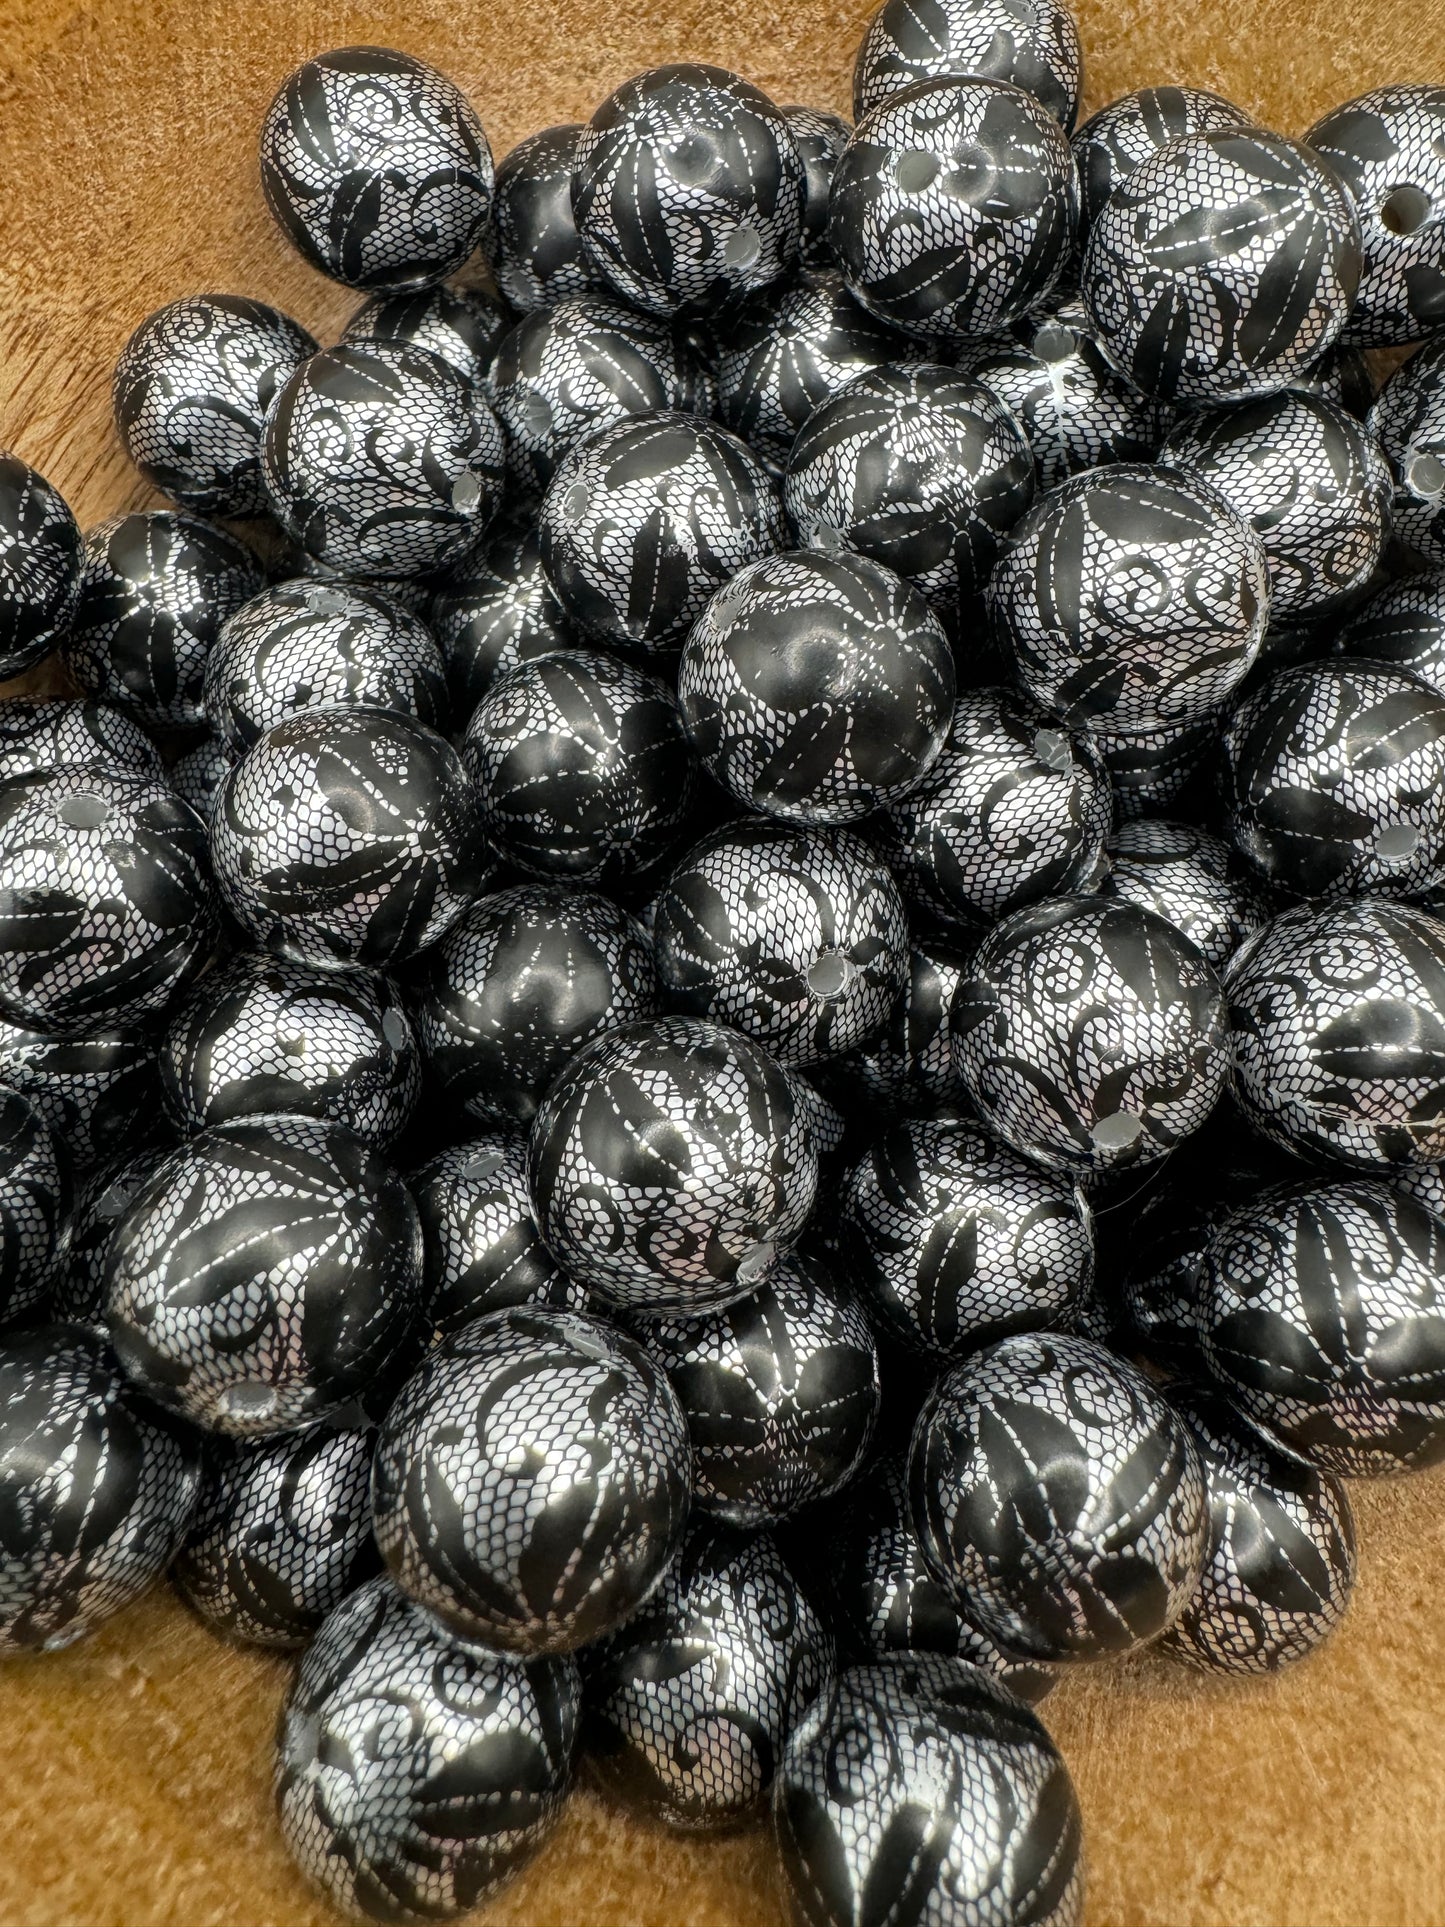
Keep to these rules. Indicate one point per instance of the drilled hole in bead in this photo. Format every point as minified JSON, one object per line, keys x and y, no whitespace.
{"x":825,"y":536}
{"x":916,"y":171}
{"x":575,"y":503}
{"x":393,"y":1029}
{"x":83,"y":812}
{"x":1118,"y":1131}
{"x":1426,"y":474}
{"x":743,"y":248}
{"x":323,"y":602}
{"x":466,"y":494}
{"x":1405,"y":209}
{"x":250,"y":1399}
{"x":753,"y":1264}
{"x":1054,"y":342}
{"x":1051,"y":747}
{"x":483,"y":1166}
{"x":1396,"y":842}
{"x":535,"y":416}
{"x":829,"y":974}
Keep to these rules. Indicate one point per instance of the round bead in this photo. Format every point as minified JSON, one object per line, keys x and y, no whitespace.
{"x":1311,"y":481}
{"x":1409,"y":419}
{"x":198,"y":774}
{"x":106,"y":899}
{"x":1223,"y":266}
{"x":955,"y":1242}
{"x":462,"y":325}
{"x":581,"y":767}
{"x":646,"y":519}
{"x":796,"y":937}
{"x":1100,"y":1477}
{"x":531,"y":1480}
{"x":103,"y":1195}
{"x":347,"y":837}
{"x":1035,"y":47}
{"x":1388,"y":147}
{"x":1149,"y":769}
{"x":155,"y":589}
{"x":1015,"y":809}
{"x":909,"y":1067}
{"x":817,"y":687}
{"x":265,"y":1275}
{"x":416,"y":1773}
{"x":483,"y":1251}
{"x":281,"y":1534}
{"x":35,"y":1205}
{"x":42,"y":733}
{"x":1341,"y":375}
{"x":257,"y":1035}
{"x":953,"y":208}
{"x":820,"y":139}
{"x":40,"y":565}
{"x":537,"y":253}
{"x":1133,"y":597}
{"x":517,"y":987}
{"x":1090,"y":1034}
{"x":1333,"y":775}
{"x":689,"y":1706}
{"x":1339,"y":1023}
{"x":1318,"y":1315}
{"x":670,"y":1163}
{"x":97,"y":1091}
{"x":1402,"y":623}
{"x":494,"y":610}
{"x":1281,"y":1559}
{"x":780,"y":1390}
{"x":922,"y":1747}
{"x":376,"y":168}
{"x":191,"y":391}
{"x":381,"y":459}
{"x":1113,"y":143}
{"x":96,"y":1488}
{"x":1189,"y":878}
{"x":688,"y":189}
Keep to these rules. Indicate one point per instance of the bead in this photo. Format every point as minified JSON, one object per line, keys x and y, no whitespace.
{"x":1341,"y":375}
{"x":797,"y":937}
{"x":581,"y":767}
{"x":1311,"y":481}
{"x":281,"y":1534}
{"x":954,"y":1242}
{"x":642,"y":522}
{"x":670,"y":1163}
{"x":42,"y":733}
{"x":537,"y":254}
{"x":816,"y":687}
{"x":347,"y":837}
{"x":196,"y":776}
{"x":1149,"y":769}
{"x":483,"y":1251}
{"x":689,"y":1706}
{"x":106,"y":899}
{"x":191,"y":391}
{"x":918,"y":468}
{"x":820,"y":139}
{"x":40,"y":564}
{"x":462,"y":325}
{"x":688,"y":189}
{"x":155,"y":588}
{"x":1090,"y":1034}
{"x":495,"y":609}
{"x":35,"y":1206}
{"x":1408,"y":418}
{"x":103,"y":1195}
{"x":1099,"y":1477}
{"x":257,"y":1035}
{"x":1087,"y":643}
{"x":415,"y":1773}
{"x":1336,"y":1011}
{"x":1035,"y":47}
{"x":97,"y":1091}
{"x":376,"y":168}
{"x":1189,"y":878}
{"x":541,"y":1546}
{"x":96,"y":1487}
{"x":1223,"y":266}
{"x":935,"y":260}
{"x":1333,"y":776}
{"x":518,"y":986}
{"x":264,"y":1276}
{"x":1113,"y":144}
{"x":922,"y":1748}
{"x":1388,"y":147}
{"x":1015,"y":809}
{"x":1317,"y":1315}
{"x":780,"y":1390}
{"x":1281,"y":1559}
{"x":381,"y":460}
{"x":909,"y":1067}
{"x":1402,"y":623}
{"x":563,"y":373}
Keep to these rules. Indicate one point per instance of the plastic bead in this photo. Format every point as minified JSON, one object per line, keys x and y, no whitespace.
{"x":1189,"y":878}
{"x":495,"y":609}
{"x":537,"y":253}
{"x":1113,"y":143}
{"x":1035,"y":47}
{"x":462,"y":325}
{"x":40,"y":564}
{"x":97,"y":1091}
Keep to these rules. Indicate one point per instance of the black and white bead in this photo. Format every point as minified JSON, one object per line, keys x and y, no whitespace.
{"x":909,"y":1067}
{"x":1131,"y":129}
{"x":495,"y":609}
{"x":820,"y":139}
{"x":1190,"y":878}
{"x":1150,"y":769}
{"x":103,"y":1195}
{"x":1408,"y":418}
{"x":1402,"y":623}
{"x":42,"y":733}
{"x":40,"y":566}
{"x":197,"y":774}
{"x":35,"y":1207}
{"x":462,"y":325}
{"x":536,"y":251}
{"x":97,"y":1091}
{"x":1034,"y":47}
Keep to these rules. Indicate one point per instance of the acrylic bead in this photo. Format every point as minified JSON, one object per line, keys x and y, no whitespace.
{"x":1131,"y":129}
{"x":1034,"y":47}
{"x":1150,"y":769}
{"x":493,"y":610}
{"x":103,"y":1195}
{"x":462,"y":325}
{"x":1402,"y":623}
{"x":820,"y":139}
{"x":1408,"y":417}
{"x":1189,"y":878}
{"x":40,"y":566}
{"x":909,"y":1066}
{"x":42,"y":733}
{"x":537,"y":253}
{"x":197,"y":774}
{"x":97,"y":1091}
{"x":35,"y":1206}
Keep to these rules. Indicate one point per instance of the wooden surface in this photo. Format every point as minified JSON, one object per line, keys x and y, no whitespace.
{"x":134,"y":1771}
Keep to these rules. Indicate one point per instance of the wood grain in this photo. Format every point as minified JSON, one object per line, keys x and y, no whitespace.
{"x":134,"y":1771}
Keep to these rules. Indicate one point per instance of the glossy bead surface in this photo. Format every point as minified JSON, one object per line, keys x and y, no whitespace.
{"x":1101,"y":1477}
{"x":41,"y":733}
{"x":688,"y":189}
{"x":347,"y":837}
{"x":35,"y":1206}
{"x":281,"y":1534}
{"x":1409,"y":418}
{"x":1317,"y":1315}
{"x":1149,"y":769}
{"x":415,"y":1773}
{"x":670,"y":1163}
{"x":689,"y":1706}
{"x":780,"y":1390}
{"x":462,"y":325}
{"x":1189,"y":878}
{"x":937,"y":262}
{"x":1132,"y":128}
{"x":97,"y":1091}
{"x":103,"y":1195}
{"x":191,"y":391}
{"x":96,"y":1488}
{"x":1402,"y":623}
{"x":198,"y":774}
{"x":40,"y":564}
{"x":909,"y":1066}
{"x":376,"y":168}
{"x":543,"y":1548}
{"x":155,"y":588}
{"x":495,"y":609}
{"x":820,"y":139}
{"x":265,"y":1275}
{"x":537,"y":253}
{"x":1035,"y":47}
